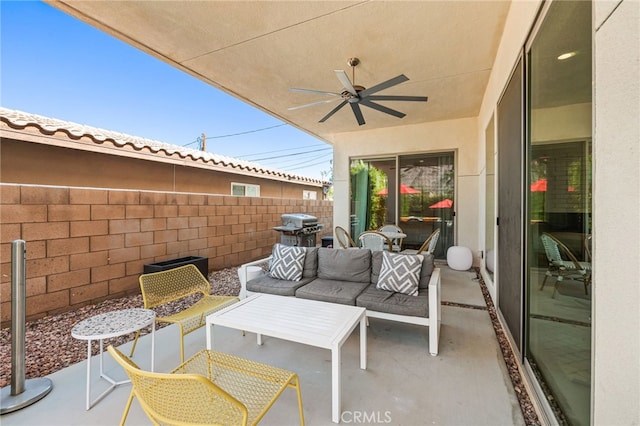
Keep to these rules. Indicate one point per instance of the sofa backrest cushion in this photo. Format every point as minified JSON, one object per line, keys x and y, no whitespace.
{"x":352,"y":265}
{"x":310,"y":263}
{"x":427,"y":269}
{"x":376,"y":264}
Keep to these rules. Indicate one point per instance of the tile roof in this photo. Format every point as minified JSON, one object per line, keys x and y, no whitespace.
{"x":20,"y":120}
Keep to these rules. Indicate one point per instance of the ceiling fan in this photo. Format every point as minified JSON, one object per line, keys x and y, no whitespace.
{"x":355,"y":95}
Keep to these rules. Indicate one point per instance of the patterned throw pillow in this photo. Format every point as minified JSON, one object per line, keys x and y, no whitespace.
{"x":287,"y":262}
{"x":400,"y":273}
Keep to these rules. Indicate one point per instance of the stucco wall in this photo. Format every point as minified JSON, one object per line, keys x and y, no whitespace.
{"x":87,"y":245}
{"x":616,"y":215}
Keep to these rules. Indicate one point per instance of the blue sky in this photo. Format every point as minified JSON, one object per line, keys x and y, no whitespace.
{"x":57,"y":66}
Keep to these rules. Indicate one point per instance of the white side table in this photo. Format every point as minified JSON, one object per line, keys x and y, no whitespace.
{"x":112,"y":324}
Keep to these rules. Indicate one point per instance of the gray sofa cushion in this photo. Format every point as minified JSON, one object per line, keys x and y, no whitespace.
{"x":376,"y":264}
{"x":266,"y":284}
{"x":344,"y":265}
{"x":426,"y":271}
{"x":310,"y":263}
{"x":344,"y":292}
{"x":394,"y":303}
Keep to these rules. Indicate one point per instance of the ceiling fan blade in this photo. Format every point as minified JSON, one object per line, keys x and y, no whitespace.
{"x":342,"y":76}
{"x":326,"y":101}
{"x":397,"y":98}
{"x":381,"y":108}
{"x":315,"y":92}
{"x":333,"y":111}
{"x":384,"y":85}
{"x":357,"y":112}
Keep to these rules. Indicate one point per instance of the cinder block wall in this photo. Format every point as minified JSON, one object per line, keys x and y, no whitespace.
{"x":88,"y":245}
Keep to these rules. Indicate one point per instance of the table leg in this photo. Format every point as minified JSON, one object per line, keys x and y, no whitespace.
{"x":101,"y":351}
{"x":336,"y":387}
{"x":363,"y":343}
{"x":88,"y":374}
{"x":153,"y":344}
{"x":209,"y":336}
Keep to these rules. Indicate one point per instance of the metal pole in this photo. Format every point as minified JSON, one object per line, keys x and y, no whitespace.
{"x":21,"y":393}
{"x":18,"y":315}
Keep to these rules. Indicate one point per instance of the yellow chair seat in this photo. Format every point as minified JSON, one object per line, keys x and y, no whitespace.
{"x":209,"y":388}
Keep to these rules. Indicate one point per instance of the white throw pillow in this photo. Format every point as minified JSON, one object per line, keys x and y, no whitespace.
{"x":400,"y":273}
{"x":287,"y":262}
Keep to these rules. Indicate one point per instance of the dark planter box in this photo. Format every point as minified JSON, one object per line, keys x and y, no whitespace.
{"x":202,"y":263}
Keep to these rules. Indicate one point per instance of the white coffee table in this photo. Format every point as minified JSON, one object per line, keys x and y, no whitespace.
{"x":112,"y":324}
{"x":320,"y":324}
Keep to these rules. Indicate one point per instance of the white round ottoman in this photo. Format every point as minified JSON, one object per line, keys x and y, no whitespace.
{"x":459,"y":258}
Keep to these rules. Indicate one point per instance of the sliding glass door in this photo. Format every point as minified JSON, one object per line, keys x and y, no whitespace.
{"x":559,"y":287}
{"x":415,"y":192}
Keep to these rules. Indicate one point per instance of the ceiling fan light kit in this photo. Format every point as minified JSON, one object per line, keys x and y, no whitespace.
{"x":356,"y":95}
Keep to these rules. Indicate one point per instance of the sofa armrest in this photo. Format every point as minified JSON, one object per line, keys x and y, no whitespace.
{"x":435,"y":312}
{"x":243,"y":271}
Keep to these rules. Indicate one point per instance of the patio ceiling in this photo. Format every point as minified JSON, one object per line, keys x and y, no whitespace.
{"x":255,"y":51}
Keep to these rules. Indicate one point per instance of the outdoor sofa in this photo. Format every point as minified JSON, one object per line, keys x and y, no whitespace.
{"x":353,"y":277}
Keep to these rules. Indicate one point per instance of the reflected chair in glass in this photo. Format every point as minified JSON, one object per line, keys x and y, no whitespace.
{"x":397,"y":242}
{"x":374,"y":241}
{"x":563,"y":264}
{"x":587,"y":247}
{"x":210,"y":388}
{"x":344,"y":239}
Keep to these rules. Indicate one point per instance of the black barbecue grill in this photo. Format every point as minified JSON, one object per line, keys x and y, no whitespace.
{"x":299,"y":229}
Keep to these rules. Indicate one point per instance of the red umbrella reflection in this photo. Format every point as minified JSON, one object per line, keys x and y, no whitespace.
{"x":442,"y":204}
{"x":404,"y":189}
{"x":539,"y":186}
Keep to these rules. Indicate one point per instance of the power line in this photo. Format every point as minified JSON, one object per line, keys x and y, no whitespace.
{"x":291,"y":155}
{"x":307,"y":165}
{"x":299,"y":163}
{"x":280,"y":150}
{"x":247,"y":132}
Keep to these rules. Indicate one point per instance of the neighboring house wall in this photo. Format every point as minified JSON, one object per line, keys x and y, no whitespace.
{"x":47,"y":151}
{"x":33,"y":163}
{"x":87,"y":245}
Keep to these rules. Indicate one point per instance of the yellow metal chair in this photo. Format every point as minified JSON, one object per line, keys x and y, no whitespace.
{"x":211,"y":388}
{"x":161,"y":288}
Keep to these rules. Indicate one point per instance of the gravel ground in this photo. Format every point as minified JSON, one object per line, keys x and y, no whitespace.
{"x":50,"y":347}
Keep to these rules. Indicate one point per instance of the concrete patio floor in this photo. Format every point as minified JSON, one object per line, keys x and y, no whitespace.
{"x":466,"y":384}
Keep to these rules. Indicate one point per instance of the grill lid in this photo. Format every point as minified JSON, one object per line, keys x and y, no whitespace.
{"x":298,"y":220}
